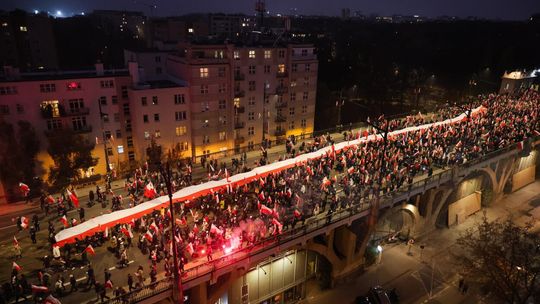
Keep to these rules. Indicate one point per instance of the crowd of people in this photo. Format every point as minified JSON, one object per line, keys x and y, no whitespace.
{"x":240,"y":216}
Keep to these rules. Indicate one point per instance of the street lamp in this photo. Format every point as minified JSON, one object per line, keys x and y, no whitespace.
{"x":379,"y":256}
{"x":166,"y":174}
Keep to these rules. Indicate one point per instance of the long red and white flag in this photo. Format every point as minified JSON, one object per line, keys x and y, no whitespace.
{"x":74,"y":199}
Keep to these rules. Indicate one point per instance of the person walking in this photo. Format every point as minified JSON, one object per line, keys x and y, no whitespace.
{"x":73,"y":283}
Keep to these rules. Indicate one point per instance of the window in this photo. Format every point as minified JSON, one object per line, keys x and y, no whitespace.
{"x":146,"y":135}
{"x":291,"y":111}
{"x":267,"y":54}
{"x":267,"y":69}
{"x":304,"y":109}
{"x":47,"y":87}
{"x":183,"y":146}
{"x":54,"y":124}
{"x":294,"y":67}
{"x":107,"y":134}
{"x":205,"y":106}
{"x":251,"y":116}
{"x":129,"y":141}
{"x":307,"y":67}
{"x":116,"y":117}
{"x":103,"y":100}
{"x":76,"y":105}
{"x":293,"y":97}
{"x":222,"y":104}
{"x":126,"y":108}
{"x":19,"y":108}
{"x":179,"y":116}
{"x":125,"y":92}
{"x":120,"y":149}
{"x":181,"y":130}
{"x":252,"y":69}
{"x":156,"y":117}
{"x":251,"y":101}
{"x":281,"y":53}
{"x":304,"y":52}
{"x":251,"y":130}
{"x":105,"y":84}
{"x":303,"y":123}
{"x":79,"y":123}
{"x":157,"y":134}
{"x":159,"y":70}
{"x":23,"y":28}
{"x":190,"y":30}
{"x":222,"y":88}
{"x":154,"y":100}
{"x":118,"y":134}
{"x":221,"y":72}
{"x":223,"y":120}
{"x":293,"y":83}
{"x":250,"y":145}
{"x":236,"y":55}
{"x":4,"y":109}
{"x":219,"y":54}
{"x":222,"y":135}
{"x":305,"y":96}
{"x":204,"y":89}
{"x":251,"y":54}
{"x":291,"y":125}
{"x":203,"y":72}
{"x":306,"y":81}
{"x":145,"y":118}
{"x":251,"y":85}
{"x":73,"y":86}
{"x":131,"y":155}
{"x":179,"y":99}
{"x":144,"y":101}
{"x":281,"y":68}
{"x":206,"y":139}
{"x":128,"y":125}
{"x":10,"y":90}
{"x":114,"y":99}
{"x":157,"y":59}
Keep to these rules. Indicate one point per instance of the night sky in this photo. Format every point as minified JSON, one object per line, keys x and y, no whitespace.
{"x":492,"y":9}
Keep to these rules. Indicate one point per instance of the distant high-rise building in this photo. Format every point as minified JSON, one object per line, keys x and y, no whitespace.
{"x":27,"y":41}
{"x":231,"y":26}
{"x":345,"y":13}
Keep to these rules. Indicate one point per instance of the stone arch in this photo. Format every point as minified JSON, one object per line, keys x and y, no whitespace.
{"x":389,"y":216}
{"x":499,"y":174}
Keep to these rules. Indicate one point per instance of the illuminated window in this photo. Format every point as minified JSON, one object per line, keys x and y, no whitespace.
{"x":157,"y":134}
{"x":73,"y":86}
{"x":203,"y":72}
{"x":146,"y":135}
{"x":190,"y":30}
{"x":181,"y":130}
{"x":206,"y":139}
{"x":154,"y":100}
{"x":267,"y":54}
{"x":51,"y":108}
{"x":184,"y":146}
{"x":23,"y":29}
{"x":222,"y":135}
{"x":281,"y":68}
{"x":236,"y":55}
{"x":251,"y":54}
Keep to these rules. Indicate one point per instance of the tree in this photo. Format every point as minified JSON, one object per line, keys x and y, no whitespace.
{"x":505,"y":258}
{"x":154,"y":155}
{"x":28,"y":148}
{"x":70,"y":152}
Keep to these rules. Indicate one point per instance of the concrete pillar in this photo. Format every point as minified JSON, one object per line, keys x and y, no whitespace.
{"x":198,"y":294}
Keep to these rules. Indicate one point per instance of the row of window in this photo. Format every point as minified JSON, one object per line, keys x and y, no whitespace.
{"x":8,"y":90}
{"x":4,"y":109}
{"x":268,"y":53}
{"x":70,"y":86}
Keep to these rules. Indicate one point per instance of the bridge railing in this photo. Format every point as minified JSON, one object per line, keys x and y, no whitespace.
{"x":311,"y":225}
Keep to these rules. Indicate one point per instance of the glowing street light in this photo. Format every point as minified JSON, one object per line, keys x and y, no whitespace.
{"x":59,"y":13}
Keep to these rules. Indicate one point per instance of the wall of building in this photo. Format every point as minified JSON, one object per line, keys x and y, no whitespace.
{"x":525,"y":171}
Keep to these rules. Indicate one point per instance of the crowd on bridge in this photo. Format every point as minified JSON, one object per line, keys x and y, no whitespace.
{"x":239,"y":217}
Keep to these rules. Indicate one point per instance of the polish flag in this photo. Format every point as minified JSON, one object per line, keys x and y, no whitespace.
{"x":148,"y":236}
{"x":309,"y":170}
{"x":297,"y":213}
{"x":73,"y":222}
{"x":15,"y":242}
{"x":278,"y":224}
{"x":261,"y":196}
{"x":227,"y":177}
{"x":181,"y":222}
{"x":64,"y":221}
{"x":50,"y":199}
{"x":126,"y":232}
{"x":24,"y":222}
{"x":74,"y":199}
{"x":520,"y":145}
{"x":261,"y":182}
{"x":265,"y":210}
{"x":190,"y":249}
{"x":215,"y":229}
{"x":325,"y":183}
{"x":350,"y":170}
{"x":109,"y":284}
{"x":16,"y":266}
{"x":36,"y":288}
{"x":24,"y":189}
{"x":149,"y":191}
{"x":154,"y":227}
{"x":90,"y":250}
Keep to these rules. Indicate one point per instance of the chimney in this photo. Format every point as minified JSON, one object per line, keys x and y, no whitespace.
{"x":99,"y":69}
{"x":133,"y":68}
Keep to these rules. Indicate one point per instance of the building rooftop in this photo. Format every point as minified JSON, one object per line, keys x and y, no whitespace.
{"x":59,"y":75}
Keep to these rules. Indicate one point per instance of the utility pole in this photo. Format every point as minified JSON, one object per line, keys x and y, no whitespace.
{"x":166,"y":174}
{"x":101,"y":116}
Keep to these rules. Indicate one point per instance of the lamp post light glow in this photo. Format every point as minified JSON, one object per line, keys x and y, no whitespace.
{"x":379,"y":254}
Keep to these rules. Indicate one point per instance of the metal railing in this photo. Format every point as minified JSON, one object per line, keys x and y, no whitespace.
{"x":316,"y":225}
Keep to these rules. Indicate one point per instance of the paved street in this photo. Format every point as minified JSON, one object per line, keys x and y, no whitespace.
{"x":412,"y":275}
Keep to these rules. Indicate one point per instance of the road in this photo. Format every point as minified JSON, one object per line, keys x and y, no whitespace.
{"x":412,"y":275}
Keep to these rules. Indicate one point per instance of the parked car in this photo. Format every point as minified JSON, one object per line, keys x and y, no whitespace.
{"x":377,"y":295}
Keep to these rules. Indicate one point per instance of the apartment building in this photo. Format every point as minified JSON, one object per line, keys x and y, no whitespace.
{"x":241,"y":95}
{"x":70,"y":100}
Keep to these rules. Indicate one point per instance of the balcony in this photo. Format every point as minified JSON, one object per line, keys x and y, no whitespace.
{"x":280,"y":118}
{"x":282,"y":74}
{"x":77,"y":111}
{"x":239,"y":76}
{"x":239,"y":94}
{"x":281,"y":105}
{"x":239,"y":125}
{"x":280,"y":90}
{"x":239,"y":140}
{"x":279,"y":132}
{"x":239,"y":110}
